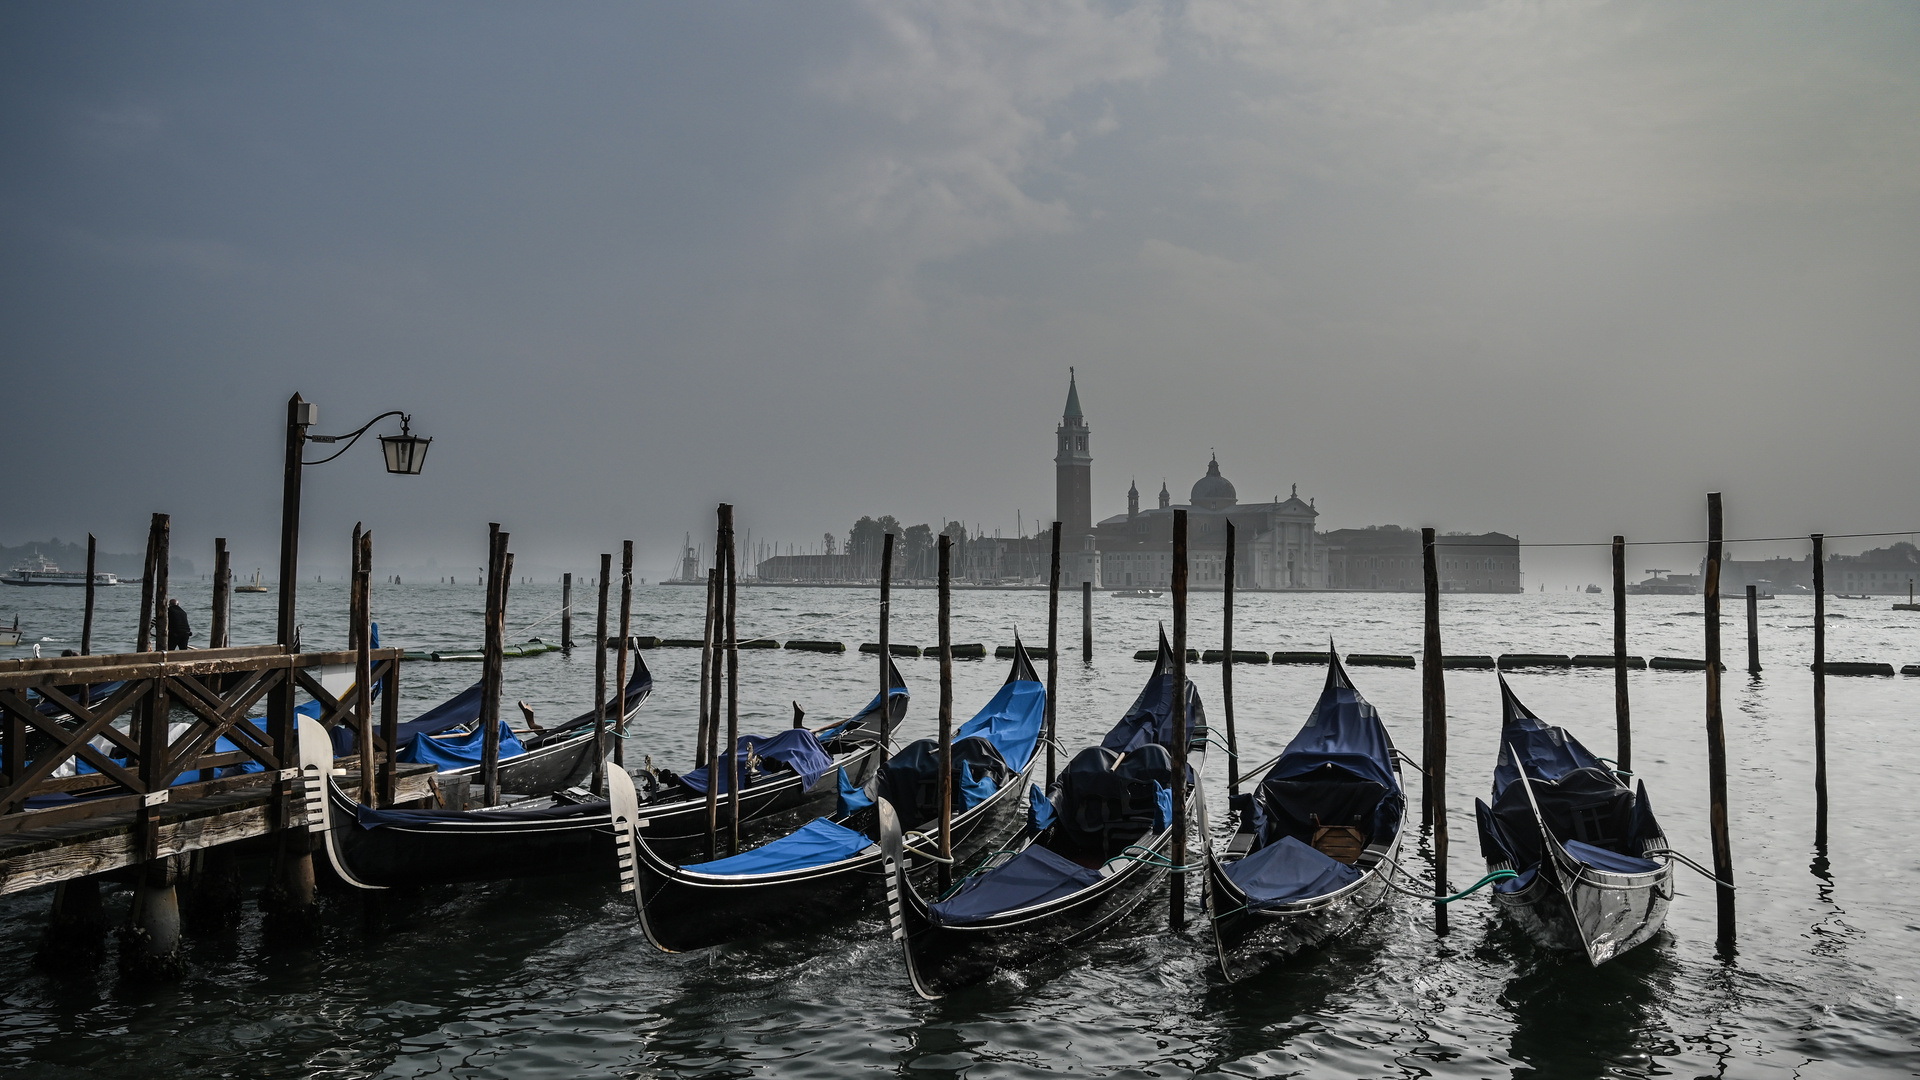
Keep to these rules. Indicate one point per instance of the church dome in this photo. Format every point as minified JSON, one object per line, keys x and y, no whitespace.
{"x":1213,"y":491}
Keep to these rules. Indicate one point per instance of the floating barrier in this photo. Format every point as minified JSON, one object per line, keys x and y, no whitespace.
{"x":1605,"y":660}
{"x":1005,"y":652}
{"x":1150,"y":655}
{"x":897,"y":650}
{"x":1910,"y":669}
{"x":817,"y":646}
{"x":760,"y":643}
{"x":1240,"y":656}
{"x":1361,"y":659}
{"x":672,"y":643}
{"x":1298,"y":657}
{"x":1477,"y":662}
{"x":1512,"y":660}
{"x":970,"y":651}
{"x":1856,"y":667}
{"x":1680,"y":663}
{"x":532,"y":647}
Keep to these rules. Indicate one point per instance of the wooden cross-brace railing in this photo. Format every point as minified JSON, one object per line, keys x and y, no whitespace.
{"x":115,"y":713}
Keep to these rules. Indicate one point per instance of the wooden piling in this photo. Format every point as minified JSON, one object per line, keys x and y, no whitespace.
{"x":1226,"y":670}
{"x":1753,"y":630}
{"x":886,"y":626}
{"x":1086,"y":622}
{"x":1433,"y":701}
{"x":86,"y":626}
{"x":1820,"y":688}
{"x":706,"y":667}
{"x":153,"y":734}
{"x":1622,"y":717}
{"x":1053,"y":650}
{"x":566,"y":613}
{"x":626,"y":653}
{"x":362,"y":663}
{"x":600,"y":681}
{"x":717,"y":581}
{"x":734,"y":779}
{"x":1177,"y":880}
{"x":492,"y":659}
{"x":143,"y":631}
{"x":222,"y":594}
{"x":946,"y":713}
{"x":1716,"y":730}
{"x":389,"y":735}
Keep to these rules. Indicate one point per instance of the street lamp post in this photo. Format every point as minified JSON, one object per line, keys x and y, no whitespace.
{"x":405,"y":453}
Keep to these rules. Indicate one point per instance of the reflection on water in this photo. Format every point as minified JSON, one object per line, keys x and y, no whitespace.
{"x":552,"y":979}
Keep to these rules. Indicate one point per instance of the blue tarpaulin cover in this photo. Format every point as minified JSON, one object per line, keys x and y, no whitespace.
{"x":1011,"y":721}
{"x":1040,"y":812}
{"x":460,"y":750}
{"x":1345,"y":730}
{"x":1288,"y":872}
{"x":973,"y":789}
{"x":1610,"y":861}
{"x":795,"y":748}
{"x":816,"y":843}
{"x":1034,"y":876}
{"x":1150,"y":720}
{"x":852,"y":798}
{"x":1549,"y":752}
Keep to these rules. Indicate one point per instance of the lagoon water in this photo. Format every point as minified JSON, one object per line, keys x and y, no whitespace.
{"x":553,"y":979}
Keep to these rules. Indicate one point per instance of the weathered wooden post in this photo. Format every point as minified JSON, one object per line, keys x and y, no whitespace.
{"x":626,"y":653}
{"x":150,"y":947}
{"x":1177,"y":880}
{"x":733,"y":687}
{"x":143,"y":632}
{"x":1053,"y":649}
{"x":1433,"y":701}
{"x":706,"y":668}
{"x":716,"y":579}
{"x":222,"y":594}
{"x":1226,"y":671}
{"x":1622,"y":718}
{"x":87,"y":623}
{"x":1716,"y":730}
{"x":493,"y":658}
{"x":566,"y":613}
{"x":389,"y":733}
{"x":886,"y":626}
{"x":600,"y":681}
{"x":1086,"y":621}
{"x":1753,"y":630}
{"x":1820,"y":688}
{"x":363,"y":664}
{"x":288,"y":899}
{"x":946,"y":713}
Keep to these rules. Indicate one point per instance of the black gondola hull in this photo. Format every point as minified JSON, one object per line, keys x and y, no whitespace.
{"x":1247,"y":938}
{"x":1599,"y":914}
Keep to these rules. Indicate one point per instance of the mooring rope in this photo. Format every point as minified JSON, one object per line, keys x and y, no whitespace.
{"x":1690,"y":864}
{"x":1497,"y":875}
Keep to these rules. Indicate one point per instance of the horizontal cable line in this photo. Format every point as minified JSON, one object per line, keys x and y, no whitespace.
{"x":1441,"y":541}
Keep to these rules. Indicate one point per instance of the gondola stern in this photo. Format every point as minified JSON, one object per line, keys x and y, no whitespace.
{"x":907,"y":914}
{"x":321,"y":793}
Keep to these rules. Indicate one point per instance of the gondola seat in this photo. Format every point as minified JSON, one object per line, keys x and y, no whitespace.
{"x":911,"y":780}
{"x":1331,"y":809}
{"x":1587,"y":805}
{"x":1109,"y":800}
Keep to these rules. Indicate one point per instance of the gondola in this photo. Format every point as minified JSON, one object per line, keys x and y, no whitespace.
{"x":553,"y":833}
{"x":1316,"y":839}
{"x":832,"y":866}
{"x":1591,"y":860}
{"x":1089,"y":852}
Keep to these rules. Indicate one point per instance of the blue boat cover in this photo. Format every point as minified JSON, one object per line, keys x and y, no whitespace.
{"x":1040,"y":812}
{"x":369,"y":818}
{"x":1288,"y":872}
{"x":1150,"y":720}
{"x":796,"y":748}
{"x":458,"y":751}
{"x":852,"y":798}
{"x":1549,"y":752}
{"x":816,"y":843}
{"x":1344,"y":730}
{"x":1011,"y":721}
{"x":973,"y":789}
{"x":1611,"y":862}
{"x":1034,"y":876}
{"x":460,"y":710}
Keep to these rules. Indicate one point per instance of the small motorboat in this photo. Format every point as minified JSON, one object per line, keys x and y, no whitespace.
{"x":1138,"y":594}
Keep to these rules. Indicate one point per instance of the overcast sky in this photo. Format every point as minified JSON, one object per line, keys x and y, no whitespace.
{"x":1549,"y":269}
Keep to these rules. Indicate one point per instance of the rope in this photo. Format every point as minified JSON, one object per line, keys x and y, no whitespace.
{"x":1151,"y":858}
{"x":1441,"y":541}
{"x":1497,"y":875}
{"x":1689,"y":863}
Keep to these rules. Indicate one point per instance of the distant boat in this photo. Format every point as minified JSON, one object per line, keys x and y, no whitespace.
{"x":1659,"y":586}
{"x":1910,"y":605}
{"x":255,"y":587}
{"x":1593,"y":588}
{"x":11,"y":635}
{"x":1142,"y":594}
{"x":39,"y":571}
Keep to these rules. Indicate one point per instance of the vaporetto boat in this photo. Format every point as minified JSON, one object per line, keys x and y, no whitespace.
{"x":39,"y":571}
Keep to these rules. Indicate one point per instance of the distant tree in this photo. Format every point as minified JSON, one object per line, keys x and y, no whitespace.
{"x":917,"y":544}
{"x":863,"y":543}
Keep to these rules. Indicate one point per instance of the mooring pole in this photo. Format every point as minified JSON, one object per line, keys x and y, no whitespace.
{"x":1086,"y":621}
{"x":1716,"y":730}
{"x":1053,"y":649}
{"x":1753,"y":630}
{"x":1622,"y":718}
{"x":717,"y":578}
{"x":363,"y":665}
{"x":946,"y":713}
{"x":86,"y":627}
{"x":291,"y":895}
{"x":1177,"y":880}
{"x":1820,"y":689}
{"x":733,"y":689}
{"x":493,"y":657}
{"x":1433,"y":699}
{"x":1226,"y":671}
{"x":566,"y":613}
{"x":222,"y":594}
{"x":886,"y":641}
{"x":626,"y":653}
{"x":600,"y":681}
{"x":706,"y":669}
{"x":143,"y":633}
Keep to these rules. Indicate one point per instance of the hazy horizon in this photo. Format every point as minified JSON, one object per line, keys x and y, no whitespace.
{"x":1551,"y":270}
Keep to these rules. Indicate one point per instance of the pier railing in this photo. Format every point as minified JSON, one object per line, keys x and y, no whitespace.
{"x":141,"y":722}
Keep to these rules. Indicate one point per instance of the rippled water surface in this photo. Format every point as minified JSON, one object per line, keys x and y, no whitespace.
{"x":554,"y":979}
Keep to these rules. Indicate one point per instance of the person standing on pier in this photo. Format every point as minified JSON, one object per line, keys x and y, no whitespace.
{"x":179,"y":631}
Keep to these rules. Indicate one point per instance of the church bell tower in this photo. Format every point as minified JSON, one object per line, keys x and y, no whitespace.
{"x":1073,"y":470}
